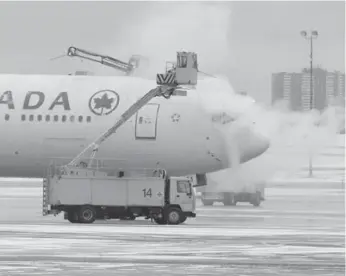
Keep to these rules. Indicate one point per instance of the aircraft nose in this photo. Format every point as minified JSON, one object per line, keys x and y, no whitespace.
{"x":251,"y":145}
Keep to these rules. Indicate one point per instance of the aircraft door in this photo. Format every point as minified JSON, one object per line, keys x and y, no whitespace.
{"x":146,"y":122}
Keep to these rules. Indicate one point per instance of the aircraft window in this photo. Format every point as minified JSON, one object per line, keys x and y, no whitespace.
{"x":72,"y":118}
{"x":63,"y":118}
{"x":80,"y":119}
{"x":56,"y":118}
{"x":88,"y":119}
{"x":7,"y":117}
{"x":23,"y":117}
{"x":31,"y":117}
{"x":47,"y":118}
{"x":39,"y":118}
{"x":182,"y":187}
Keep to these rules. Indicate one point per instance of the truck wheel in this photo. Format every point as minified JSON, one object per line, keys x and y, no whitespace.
{"x":87,"y":214}
{"x":174,"y":215}
{"x":207,"y":202}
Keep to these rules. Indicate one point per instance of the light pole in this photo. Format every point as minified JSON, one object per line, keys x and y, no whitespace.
{"x":311,"y":35}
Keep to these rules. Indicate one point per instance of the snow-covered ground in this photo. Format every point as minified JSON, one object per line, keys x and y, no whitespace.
{"x":328,"y":167}
{"x":294,"y":232}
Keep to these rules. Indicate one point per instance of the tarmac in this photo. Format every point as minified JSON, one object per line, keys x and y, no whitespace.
{"x":296,"y":231}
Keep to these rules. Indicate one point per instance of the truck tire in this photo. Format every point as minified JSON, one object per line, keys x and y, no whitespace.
{"x":207,"y":202}
{"x":174,"y":215}
{"x":86,"y":214}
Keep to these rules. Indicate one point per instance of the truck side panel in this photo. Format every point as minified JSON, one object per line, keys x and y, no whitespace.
{"x":109,"y":192}
{"x":75,"y":192}
{"x":106,"y":192}
{"x":146,"y":193}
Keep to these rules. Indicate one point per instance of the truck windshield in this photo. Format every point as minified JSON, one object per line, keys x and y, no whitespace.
{"x":184,"y":186}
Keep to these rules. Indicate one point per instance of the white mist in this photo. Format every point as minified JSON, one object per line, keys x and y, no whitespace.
{"x":164,"y":28}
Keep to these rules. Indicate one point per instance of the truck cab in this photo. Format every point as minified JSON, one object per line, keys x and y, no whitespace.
{"x":182,"y":194}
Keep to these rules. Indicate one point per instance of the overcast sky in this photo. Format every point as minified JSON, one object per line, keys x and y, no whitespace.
{"x":247,"y":41}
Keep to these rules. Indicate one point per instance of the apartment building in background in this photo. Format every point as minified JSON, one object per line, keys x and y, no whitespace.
{"x":294,"y":89}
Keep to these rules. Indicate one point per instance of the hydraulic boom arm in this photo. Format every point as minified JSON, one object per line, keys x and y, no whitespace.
{"x":164,"y":91}
{"x":185,"y":73}
{"x":105,"y":60}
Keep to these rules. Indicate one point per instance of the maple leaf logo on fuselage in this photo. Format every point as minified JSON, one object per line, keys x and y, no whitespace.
{"x":104,"y":102}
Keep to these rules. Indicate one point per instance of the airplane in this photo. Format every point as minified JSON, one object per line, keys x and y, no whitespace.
{"x":49,"y":119}
{"x":53,"y":117}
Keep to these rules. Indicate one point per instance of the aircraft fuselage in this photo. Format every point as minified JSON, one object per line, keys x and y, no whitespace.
{"x":52,"y":118}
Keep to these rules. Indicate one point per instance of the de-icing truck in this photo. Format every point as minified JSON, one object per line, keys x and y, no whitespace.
{"x":87,"y":195}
